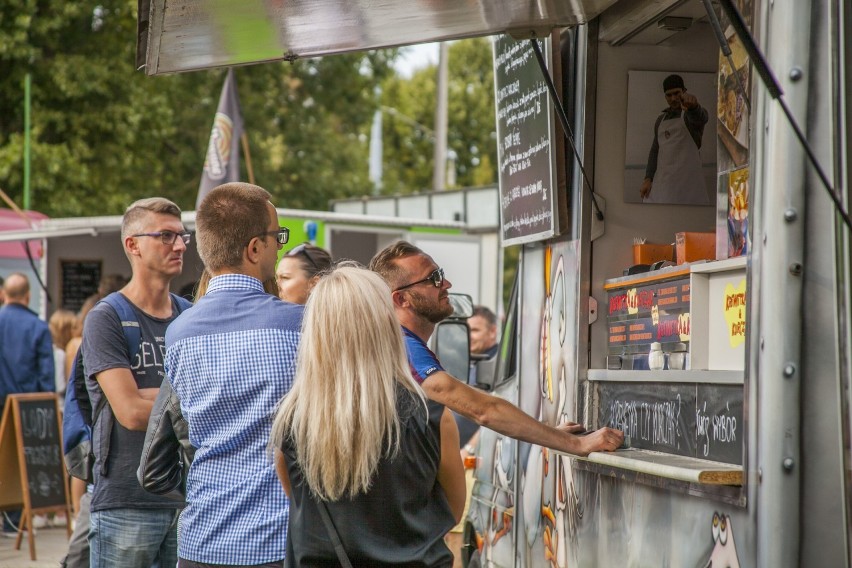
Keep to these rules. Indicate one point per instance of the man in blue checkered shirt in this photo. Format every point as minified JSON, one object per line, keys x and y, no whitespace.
{"x":230,"y":359}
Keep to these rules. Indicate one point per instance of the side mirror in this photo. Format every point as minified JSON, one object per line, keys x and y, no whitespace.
{"x":462,"y":306}
{"x":451,"y":343}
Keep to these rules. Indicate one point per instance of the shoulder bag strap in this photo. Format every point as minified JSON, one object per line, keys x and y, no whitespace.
{"x":332,"y":532}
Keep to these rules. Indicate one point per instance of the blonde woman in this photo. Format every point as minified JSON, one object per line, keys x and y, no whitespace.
{"x":356,"y":435}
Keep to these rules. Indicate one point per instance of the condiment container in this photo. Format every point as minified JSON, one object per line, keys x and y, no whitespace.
{"x":677,"y":358}
{"x":656,"y":358}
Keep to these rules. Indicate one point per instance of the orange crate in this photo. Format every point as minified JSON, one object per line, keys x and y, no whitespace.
{"x":648,"y":253}
{"x":695,"y":246}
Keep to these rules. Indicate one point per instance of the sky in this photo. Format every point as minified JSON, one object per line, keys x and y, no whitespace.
{"x":415,"y":57}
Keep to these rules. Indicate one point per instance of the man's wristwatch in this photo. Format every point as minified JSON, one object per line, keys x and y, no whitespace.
{"x":470,"y":449}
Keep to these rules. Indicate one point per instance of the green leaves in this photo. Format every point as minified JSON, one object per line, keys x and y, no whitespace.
{"x":471,"y":136}
{"x":104,"y":134}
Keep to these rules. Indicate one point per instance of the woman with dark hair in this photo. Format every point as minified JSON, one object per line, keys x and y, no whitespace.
{"x":299,"y":270}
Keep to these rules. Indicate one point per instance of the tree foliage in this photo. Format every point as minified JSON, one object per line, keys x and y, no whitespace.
{"x":104,"y":134}
{"x":471,"y":131}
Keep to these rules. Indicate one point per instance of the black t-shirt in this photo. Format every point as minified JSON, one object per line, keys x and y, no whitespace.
{"x":105,"y":347}
{"x":400,"y":521}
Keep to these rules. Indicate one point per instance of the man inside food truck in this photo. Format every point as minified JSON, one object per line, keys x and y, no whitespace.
{"x":673,"y":173}
{"x":420,"y":298}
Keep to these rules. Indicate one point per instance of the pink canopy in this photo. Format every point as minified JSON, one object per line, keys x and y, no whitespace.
{"x":11,"y":221}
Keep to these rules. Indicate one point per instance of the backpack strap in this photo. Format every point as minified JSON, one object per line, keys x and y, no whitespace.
{"x":180,"y":303}
{"x":129,"y":323}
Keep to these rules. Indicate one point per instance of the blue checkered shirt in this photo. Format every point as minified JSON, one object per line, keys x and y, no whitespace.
{"x":230,"y":359}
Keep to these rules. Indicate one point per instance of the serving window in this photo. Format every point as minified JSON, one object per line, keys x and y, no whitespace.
{"x":666,"y":351}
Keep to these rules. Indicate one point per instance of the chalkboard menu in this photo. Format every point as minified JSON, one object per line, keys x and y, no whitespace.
{"x":525,"y":127}
{"x":42,"y":450}
{"x":80,"y":279}
{"x":695,"y":420}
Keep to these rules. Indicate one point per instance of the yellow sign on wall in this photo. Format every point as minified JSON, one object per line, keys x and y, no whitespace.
{"x":734,"y":310}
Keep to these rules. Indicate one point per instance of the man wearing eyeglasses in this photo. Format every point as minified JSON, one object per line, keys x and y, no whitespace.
{"x":229,"y":360}
{"x":130,"y":527}
{"x":419,"y":293}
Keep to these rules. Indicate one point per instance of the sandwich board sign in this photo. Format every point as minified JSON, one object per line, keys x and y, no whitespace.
{"x":32,"y":471}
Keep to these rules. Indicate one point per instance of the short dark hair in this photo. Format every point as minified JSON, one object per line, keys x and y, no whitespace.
{"x":228,"y":218}
{"x":384,"y":263}
{"x":485,"y":313}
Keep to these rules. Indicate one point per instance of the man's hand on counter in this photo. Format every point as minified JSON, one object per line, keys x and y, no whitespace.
{"x":603,"y":440}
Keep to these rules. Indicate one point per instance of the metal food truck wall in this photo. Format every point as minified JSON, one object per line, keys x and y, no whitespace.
{"x":777,"y":369}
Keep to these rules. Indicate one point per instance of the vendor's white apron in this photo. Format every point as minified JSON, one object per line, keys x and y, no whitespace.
{"x":679,"y":178}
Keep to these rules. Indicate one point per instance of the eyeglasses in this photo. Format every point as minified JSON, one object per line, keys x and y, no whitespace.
{"x":303,"y":250}
{"x":282,"y":235}
{"x":436,"y":278}
{"x":168,"y":237}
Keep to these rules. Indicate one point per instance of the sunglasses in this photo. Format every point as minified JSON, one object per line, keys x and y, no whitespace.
{"x":436,"y":278}
{"x":304,"y":251}
{"x":168,"y":237}
{"x":282,"y":235}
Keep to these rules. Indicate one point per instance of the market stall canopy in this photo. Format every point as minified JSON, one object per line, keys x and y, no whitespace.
{"x":184,"y":35}
{"x":11,"y":222}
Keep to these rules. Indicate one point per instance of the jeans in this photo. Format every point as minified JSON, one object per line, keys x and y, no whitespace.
{"x":133,"y":538}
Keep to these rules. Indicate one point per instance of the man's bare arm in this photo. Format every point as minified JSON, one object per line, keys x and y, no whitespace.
{"x":130,"y":405}
{"x":504,"y":417}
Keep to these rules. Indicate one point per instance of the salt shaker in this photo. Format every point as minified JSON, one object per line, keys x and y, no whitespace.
{"x":677,"y":358}
{"x":656,"y":358}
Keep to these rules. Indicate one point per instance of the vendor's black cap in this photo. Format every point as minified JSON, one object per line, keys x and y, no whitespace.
{"x":673,"y":82}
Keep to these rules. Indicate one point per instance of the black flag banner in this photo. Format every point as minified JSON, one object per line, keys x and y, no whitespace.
{"x":222,"y":162}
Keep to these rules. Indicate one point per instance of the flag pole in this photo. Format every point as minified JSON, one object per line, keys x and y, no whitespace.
{"x":247,"y":156}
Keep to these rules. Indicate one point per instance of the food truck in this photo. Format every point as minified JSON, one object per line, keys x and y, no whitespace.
{"x":709,"y":319}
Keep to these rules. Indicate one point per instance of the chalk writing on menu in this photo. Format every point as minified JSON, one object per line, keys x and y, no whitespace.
{"x":524,"y":151}
{"x":42,"y":455}
{"x":80,"y":280}
{"x":701,"y":421}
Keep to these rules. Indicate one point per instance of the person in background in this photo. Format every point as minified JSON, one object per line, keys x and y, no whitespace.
{"x":673,"y":173}
{"x":299,"y":270}
{"x":130,"y":527}
{"x":26,"y":355}
{"x":388,"y":472}
{"x":61,"y":324}
{"x":26,"y":347}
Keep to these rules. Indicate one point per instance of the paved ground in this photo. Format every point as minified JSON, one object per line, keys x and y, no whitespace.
{"x":50,"y":546}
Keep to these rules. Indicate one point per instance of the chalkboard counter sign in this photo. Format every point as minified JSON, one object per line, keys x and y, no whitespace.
{"x":525,"y":132}
{"x":695,"y":420}
{"x":80,"y":279}
{"x":32,"y":472}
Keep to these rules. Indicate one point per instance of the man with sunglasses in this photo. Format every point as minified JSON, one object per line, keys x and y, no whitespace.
{"x":419,"y":293}
{"x":130,"y":527}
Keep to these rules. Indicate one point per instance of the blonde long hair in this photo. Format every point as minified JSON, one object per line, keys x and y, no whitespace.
{"x":341,"y":413}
